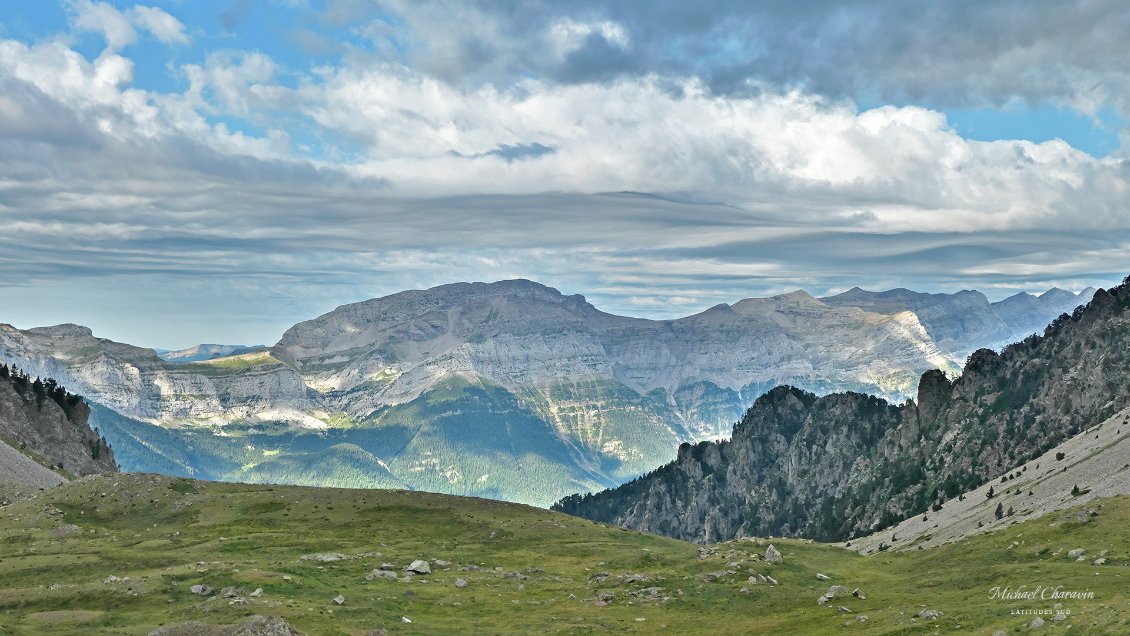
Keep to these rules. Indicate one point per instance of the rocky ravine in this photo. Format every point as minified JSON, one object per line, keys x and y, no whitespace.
{"x":847,"y":464}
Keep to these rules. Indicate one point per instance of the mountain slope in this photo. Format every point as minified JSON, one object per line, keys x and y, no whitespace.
{"x":47,"y":425}
{"x":848,"y":464}
{"x":1093,"y":464}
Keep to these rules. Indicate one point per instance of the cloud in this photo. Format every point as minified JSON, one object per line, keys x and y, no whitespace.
{"x":119,"y":28}
{"x":653,"y":193}
{"x":961,"y":53}
{"x":164,"y":27}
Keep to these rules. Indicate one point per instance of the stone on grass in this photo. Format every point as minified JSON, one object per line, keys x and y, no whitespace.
{"x":1036,"y":622}
{"x":257,"y":593}
{"x":928,"y":614}
{"x":858,"y":593}
{"x":202,"y":590}
{"x":339,"y":600}
{"x":772,"y":555}
{"x":460,"y":582}
{"x":254,"y":626}
{"x":419,"y":566}
{"x":1076,"y":553}
{"x":823,"y":577}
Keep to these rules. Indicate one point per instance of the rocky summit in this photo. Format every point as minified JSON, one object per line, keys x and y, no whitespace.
{"x":509,"y":390}
{"x":847,"y":464}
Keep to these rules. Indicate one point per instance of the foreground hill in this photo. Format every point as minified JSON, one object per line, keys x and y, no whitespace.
{"x":44,"y":434}
{"x":847,"y":464}
{"x":135,"y":545}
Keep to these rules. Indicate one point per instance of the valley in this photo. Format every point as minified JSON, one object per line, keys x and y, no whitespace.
{"x":507,"y":390}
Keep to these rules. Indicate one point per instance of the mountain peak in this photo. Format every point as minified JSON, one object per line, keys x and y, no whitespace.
{"x":65,"y":329}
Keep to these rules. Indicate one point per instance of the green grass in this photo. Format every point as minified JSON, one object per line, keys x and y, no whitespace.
{"x":166,"y":534}
{"x":235,"y":363}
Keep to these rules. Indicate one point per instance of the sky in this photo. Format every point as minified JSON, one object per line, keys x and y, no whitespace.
{"x":176,"y":172}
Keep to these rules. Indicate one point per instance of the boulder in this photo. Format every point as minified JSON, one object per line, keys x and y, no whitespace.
{"x":928,"y":614}
{"x":858,"y":593}
{"x":836,"y":590}
{"x":1076,"y":553}
{"x":1036,"y":622}
{"x":419,"y":566}
{"x":823,"y":577}
{"x":257,"y":593}
{"x":1059,"y":616}
{"x":772,"y":555}
{"x":339,"y":600}
{"x":202,"y":590}
{"x":460,"y":582}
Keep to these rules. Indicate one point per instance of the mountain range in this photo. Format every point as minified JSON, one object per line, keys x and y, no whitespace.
{"x":843,"y":465}
{"x":509,"y":390}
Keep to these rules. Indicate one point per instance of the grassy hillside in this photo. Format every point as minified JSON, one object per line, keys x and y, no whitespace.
{"x":526,"y":569}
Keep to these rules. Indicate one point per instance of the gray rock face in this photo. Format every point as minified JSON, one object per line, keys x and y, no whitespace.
{"x":772,"y":555}
{"x":844,"y":465}
{"x":419,"y":566}
{"x":39,"y":419}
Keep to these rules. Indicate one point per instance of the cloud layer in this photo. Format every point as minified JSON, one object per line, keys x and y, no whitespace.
{"x":607,"y":151}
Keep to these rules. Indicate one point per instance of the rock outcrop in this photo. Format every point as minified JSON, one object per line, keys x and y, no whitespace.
{"x":846,"y":464}
{"x":47,"y":424}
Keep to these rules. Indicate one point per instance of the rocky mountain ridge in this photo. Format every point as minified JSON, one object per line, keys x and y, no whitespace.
{"x":610,"y":396}
{"x":40,"y":419}
{"x":847,"y":464}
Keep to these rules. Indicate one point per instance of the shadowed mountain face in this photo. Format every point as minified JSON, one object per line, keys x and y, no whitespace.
{"x":452,"y":388}
{"x":845,"y":464}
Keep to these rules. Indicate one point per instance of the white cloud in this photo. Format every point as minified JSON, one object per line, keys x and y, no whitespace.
{"x":163,"y":26}
{"x":119,"y":28}
{"x":568,"y":35}
{"x":105,"y":19}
